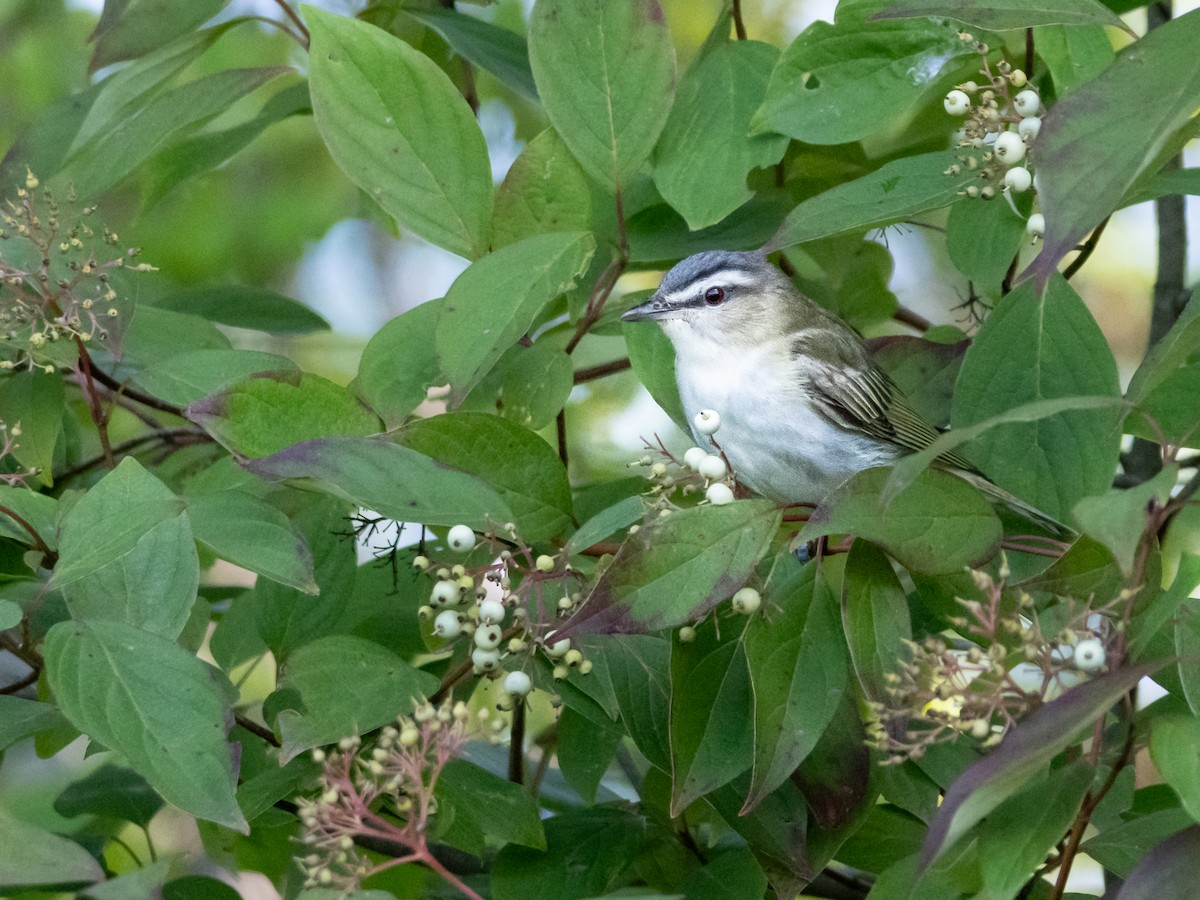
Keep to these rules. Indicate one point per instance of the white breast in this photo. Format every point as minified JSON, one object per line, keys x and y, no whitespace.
{"x":775,"y":440}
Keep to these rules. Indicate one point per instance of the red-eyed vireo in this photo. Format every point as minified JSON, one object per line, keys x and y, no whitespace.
{"x":802,"y":404}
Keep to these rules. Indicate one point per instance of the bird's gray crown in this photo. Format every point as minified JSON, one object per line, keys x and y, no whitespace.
{"x":714,"y":267}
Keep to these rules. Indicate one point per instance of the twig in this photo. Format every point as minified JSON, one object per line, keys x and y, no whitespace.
{"x":516,"y":745}
{"x":1029,"y":56}
{"x":95,"y":409}
{"x":166,"y":435}
{"x":1088,"y":248}
{"x":912,"y":319}
{"x":591,"y":373}
{"x":49,"y":557}
{"x":132,"y":393}
{"x":739,"y":27}
{"x":299,"y":22}
{"x":21,"y":683}
{"x":258,"y":730}
{"x":595,"y":305}
{"x":470,"y":94}
{"x":560,"y":430}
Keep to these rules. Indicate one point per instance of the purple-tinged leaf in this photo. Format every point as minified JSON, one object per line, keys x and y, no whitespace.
{"x":396,"y":481}
{"x":1097,"y":140}
{"x":1027,"y":750}
{"x":1007,"y":15}
{"x":1169,"y":870}
{"x":678,"y":568}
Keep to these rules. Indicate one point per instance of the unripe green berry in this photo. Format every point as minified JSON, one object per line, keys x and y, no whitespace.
{"x":544,"y":563}
{"x":687,"y":634}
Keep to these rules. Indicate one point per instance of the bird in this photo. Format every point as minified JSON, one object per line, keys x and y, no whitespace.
{"x":803,"y":405}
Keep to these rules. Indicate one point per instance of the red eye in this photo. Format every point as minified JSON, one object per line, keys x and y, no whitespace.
{"x":714,"y":296}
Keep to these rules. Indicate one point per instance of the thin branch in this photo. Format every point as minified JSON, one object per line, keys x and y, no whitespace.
{"x":49,"y":557}
{"x":166,"y":435}
{"x":258,"y":730}
{"x":600,"y":293}
{"x":560,"y":431}
{"x":739,"y":26}
{"x":95,"y":409}
{"x":516,"y":745}
{"x":591,"y":373}
{"x":1088,"y":248}
{"x":1029,"y":55}
{"x":132,"y":393}
{"x":912,"y":319}
{"x":21,"y":683}
{"x":296,"y":20}
{"x":469,"y":92}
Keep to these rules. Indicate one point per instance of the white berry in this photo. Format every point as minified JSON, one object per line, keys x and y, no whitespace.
{"x":491,"y":611}
{"x":445,"y":593}
{"x":461,"y":538}
{"x":1027,"y":103}
{"x":957,"y":103}
{"x":747,"y":601}
{"x":712,"y":467}
{"x":692,"y":458}
{"x":1036,"y":225}
{"x":1089,"y":655}
{"x":1029,"y":127}
{"x":487,"y":637}
{"x":1017,"y":179}
{"x":1010,"y":148}
{"x":517,"y":684}
{"x":557,"y":648}
{"x":447,"y":625}
{"x":707,"y":421}
{"x":718,"y":494}
{"x":485,"y":660}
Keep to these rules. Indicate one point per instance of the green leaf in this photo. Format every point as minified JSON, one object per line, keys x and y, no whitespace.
{"x":498,"y":810}
{"x":396,"y":481}
{"x":1087,"y":569}
{"x":799,"y":671}
{"x":1073,"y":55}
{"x":1097,"y":139}
{"x":892,"y":193}
{"x":145,"y":883}
{"x":252,"y":533}
{"x":1169,"y":354}
{"x":114,"y":154}
{"x":1167,"y":606}
{"x":21,"y":718}
{"x":495,"y":301}
{"x":1117,"y":518}
{"x":112,"y":792}
{"x":160,"y":707}
{"x":10,"y":614}
{"x":37,"y":509}
{"x":110,"y":520}
{"x":711,"y":739}
{"x":1169,"y":870}
{"x":130,"y":28}
{"x":658,"y":234}
{"x":1007,"y":15}
{"x":522,"y":468}
{"x":584,"y":751}
{"x":392,"y":390}
{"x":259,"y":793}
{"x":1121,"y":848}
{"x":605,"y":524}
{"x":842,"y":82}
{"x":128,"y":90}
{"x":397,"y":126}
{"x":982,"y":240}
{"x":529,"y":385}
{"x":678,"y":568}
{"x":191,"y":376}
{"x":287,"y":617}
{"x":272,"y":410}
{"x":155,"y":335}
{"x":43,"y":858}
{"x":924,"y":370}
{"x":652,"y":356}
{"x":345,"y":685}
{"x":1025,"y":752}
{"x":586,"y":850}
{"x":875,"y":617}
{"x":730,"y":875}
{"x":938,"y":524}
{"x":775,"y":830}
{"x":34,"y":400}
{"x":1041,"y":347}
{"x":498,"y":50}
{"x":605,"y":70}
{"x":544,"y":190}
{"x":151,"y":586}
{"x":246,"y":306}
{"x":1173,"y":747}
{"x":1018,"y":836}
{"x":706,"y":151}
{"x":638,"y":667}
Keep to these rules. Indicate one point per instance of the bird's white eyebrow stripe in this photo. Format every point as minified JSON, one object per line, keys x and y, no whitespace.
{"x":725,"y":277}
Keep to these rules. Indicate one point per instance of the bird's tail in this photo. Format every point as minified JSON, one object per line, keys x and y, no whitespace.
{"x":1017,"y":505}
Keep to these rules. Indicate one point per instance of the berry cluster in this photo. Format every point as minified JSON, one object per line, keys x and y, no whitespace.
{"x":383,"y":791}
{"x":501,"y":607}
{"x":52,"y":287}
{"x":998,"y":667}
{"x":998,"y":133}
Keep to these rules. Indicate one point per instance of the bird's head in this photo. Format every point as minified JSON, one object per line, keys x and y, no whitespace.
{"x":730,"y":297}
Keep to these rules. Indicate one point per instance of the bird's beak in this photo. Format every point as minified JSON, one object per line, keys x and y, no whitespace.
{"x":654,"y":308}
